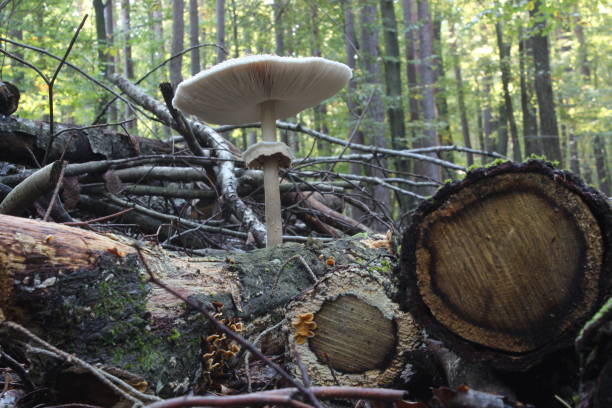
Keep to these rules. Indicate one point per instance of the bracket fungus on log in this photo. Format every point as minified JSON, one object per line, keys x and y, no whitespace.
{"x":262,"y":88}
{"x":349,"y":323}
{"x":506,"y":265}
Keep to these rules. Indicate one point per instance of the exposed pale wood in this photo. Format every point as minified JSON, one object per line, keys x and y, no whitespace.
{"x":513,"y":259}
{"x":354,"y":334}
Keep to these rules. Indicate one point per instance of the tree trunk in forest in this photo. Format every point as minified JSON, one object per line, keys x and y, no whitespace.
{"x":279,"y":33}
{"x":102,"y":39}
{"x":487,"y":114}
{"x":465,"y":126}
{"x":220,"y":30}
{"x":128,"y":62}
{"x":374,"y":116}
{"x":601,"y":165}
{"x":235,"y":39}
{"x":428,"y":103}
{"x":583,"y":55}
{"x":178,"y":32}
{"x":530,"y":121}
{"x":109,"y":9}
{"x":194,"y":34}
{"x":409,"y":17}
{"x":504,"y":67}
{"x":320,"y":111}
{"x":444,"y":132}
{"x":355,"y":135}
{"x":543,"y":85}
{"x":508,"y":294}
{"x":393,"y":82}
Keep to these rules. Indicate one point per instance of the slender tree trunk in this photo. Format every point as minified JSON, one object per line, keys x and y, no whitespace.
{"x":543,"y":86}
{"x":530,"y":121}
{"x":504,"y":66}
{"x":102,"y":41}
{"x":393,"y":80}
{"x":320,"y":111}
{"x":109,"y":9}
{"x":444,"y":133}
{"x":220,"y":32}
{"x":465,"y":126}
{"x":355,"y":135}
{"x":235,"y":29}
{"x":428,"y":84}
{"x":583,"y":59}
{"x":480,"y":125}
{"x":194,"y":34}
{"x":409,"y":18}
{"x":178,"y":33}
{"x":128,"y":63}
{"x":279,"y":40}
{"x":374,"y":120}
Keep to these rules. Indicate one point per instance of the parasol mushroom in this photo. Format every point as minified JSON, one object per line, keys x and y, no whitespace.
{"x":262,"y":88}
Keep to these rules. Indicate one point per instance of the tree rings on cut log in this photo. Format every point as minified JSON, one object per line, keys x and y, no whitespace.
{"x":348,"y":325}
{"x":514,"y":259}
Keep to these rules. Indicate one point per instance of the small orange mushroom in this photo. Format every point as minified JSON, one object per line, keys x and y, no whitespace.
{"x":304,"y":326}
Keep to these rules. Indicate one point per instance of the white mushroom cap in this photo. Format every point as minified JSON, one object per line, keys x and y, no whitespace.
{"x":230,"y":93}
{"x":256,"y":155}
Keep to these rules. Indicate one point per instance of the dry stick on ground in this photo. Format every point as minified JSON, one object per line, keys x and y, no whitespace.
{"x":224,"y":329}
{"x":225,"y":170}
{"x":263,"y":398}
{"x":56,"y":190}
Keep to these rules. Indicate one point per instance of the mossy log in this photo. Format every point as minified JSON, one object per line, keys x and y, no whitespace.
{"x":88,"y":294}
{"x":507,"y":264}
{"x":348,"y":331}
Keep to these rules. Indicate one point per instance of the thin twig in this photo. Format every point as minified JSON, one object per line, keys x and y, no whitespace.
{"x":100,"y":219}
{"x":305,"y":377}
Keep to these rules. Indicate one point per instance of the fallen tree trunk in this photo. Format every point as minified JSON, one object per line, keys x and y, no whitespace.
{"x":507,"y":265}
{"x":88,"y":294}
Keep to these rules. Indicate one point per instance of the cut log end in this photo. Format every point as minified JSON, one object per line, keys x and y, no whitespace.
{"x":511,"y":260}
{"x":348,"y":330}
{"x":352,"y":336}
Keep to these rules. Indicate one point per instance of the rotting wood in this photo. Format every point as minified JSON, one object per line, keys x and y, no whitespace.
{"x":507,"y":264}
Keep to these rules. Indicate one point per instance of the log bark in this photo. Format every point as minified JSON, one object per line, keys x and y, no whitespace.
{"x":506,"y":265}
{"x":88,"y":294}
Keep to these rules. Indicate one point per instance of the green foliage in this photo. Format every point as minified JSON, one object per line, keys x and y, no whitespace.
{"x":583,"y":103}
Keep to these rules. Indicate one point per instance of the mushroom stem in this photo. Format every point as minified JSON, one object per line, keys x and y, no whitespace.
{"x":274,"y":226}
